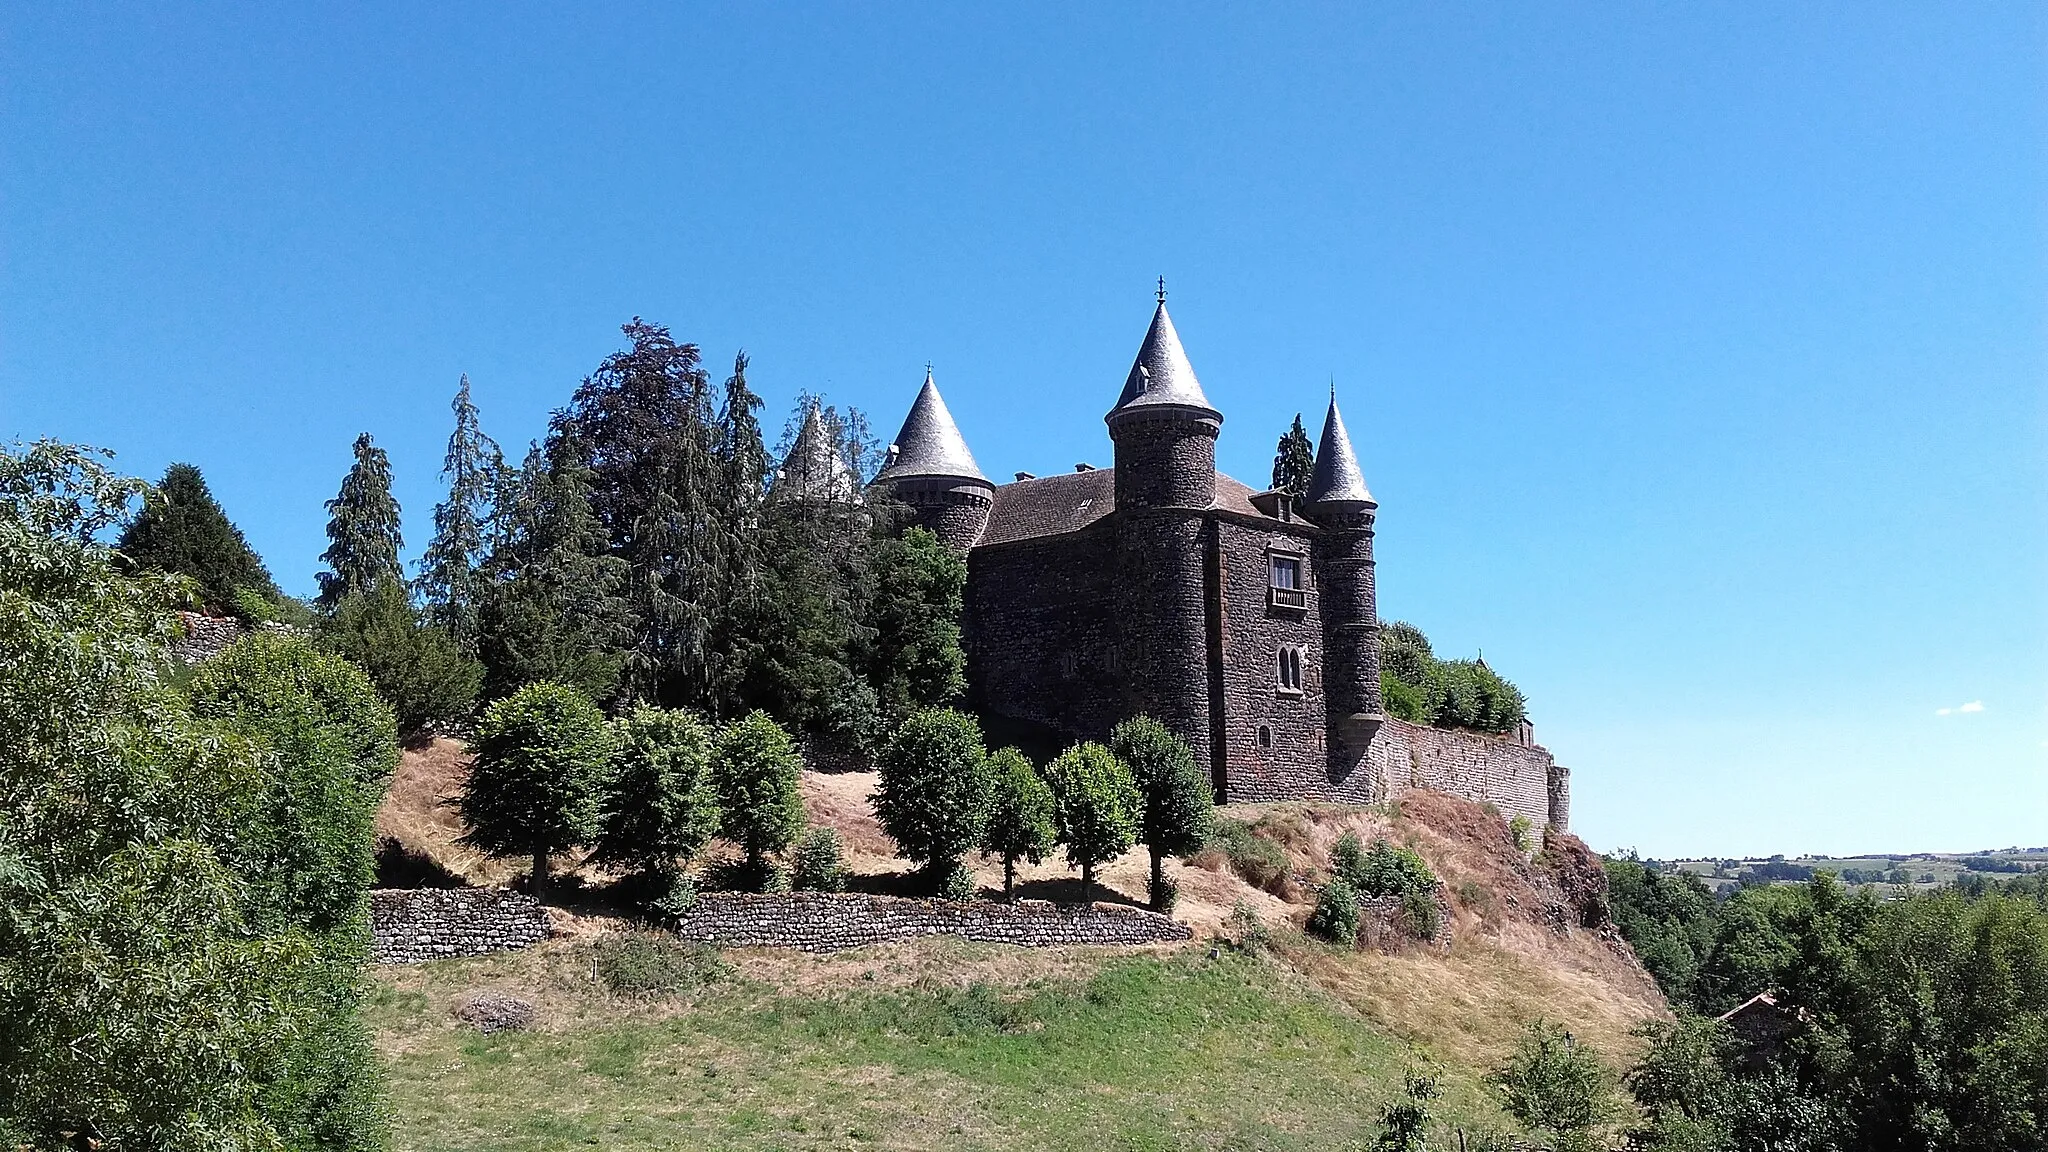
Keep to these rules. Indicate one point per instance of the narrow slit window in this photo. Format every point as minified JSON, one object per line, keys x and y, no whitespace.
{"x":1265,"y":736}
{"x":1290,"y":669}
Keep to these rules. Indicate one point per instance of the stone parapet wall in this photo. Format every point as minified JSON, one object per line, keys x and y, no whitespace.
{"x":1519,"y":779}
{"x":205,"y":637}
{"x":829,"y":922}
{"x":408,"y":925}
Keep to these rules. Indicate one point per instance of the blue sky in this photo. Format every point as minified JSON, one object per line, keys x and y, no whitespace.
{"x":1695,"y":353}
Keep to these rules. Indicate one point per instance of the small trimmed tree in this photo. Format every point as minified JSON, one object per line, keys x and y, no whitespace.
{"x":542,"y":755}
{"x":1179,"y":807}
{"x":755,"y":768}
{"x":1096,"y":806}
{"x":1020,"y":824}
{"x":659,"y":807}
{"x":933,"y":797}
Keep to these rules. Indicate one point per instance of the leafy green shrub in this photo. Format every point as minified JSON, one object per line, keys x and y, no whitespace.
{"x":1336,"y":913}
{"x":542,"y":755}
{"x":417,"y":669}
{"x":1555,"y":1084}
{"x":659,"y":806}
{"x":1248,"y":929}
{"x":1417,"y":687}
{"x":650,"y":964}
{"x":1347,"y":855}
{"x":1402,"y":700}
{"x":934,"y":791}
{"x":958,"y":885}
{"x":816,"y":865}
{"x":1419,"y":914}
{"x":1257,"y":861}
{"x":1162,"y":894}
{"x":1178,"y":806}
{"x":1518,"y":831}
{"x":1404,"y":1124}
{"x":755,"y":768}
{"x":1096,"y":806}
{"x":1020,"y":815}
{"x":1385,"y":870}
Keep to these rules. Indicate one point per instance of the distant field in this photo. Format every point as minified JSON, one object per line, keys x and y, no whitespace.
{"x":1123,"y":1052}
{"x":1923,"y":870}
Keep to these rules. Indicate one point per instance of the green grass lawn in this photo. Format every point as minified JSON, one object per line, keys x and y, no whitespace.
{"x":1143,"y":1052}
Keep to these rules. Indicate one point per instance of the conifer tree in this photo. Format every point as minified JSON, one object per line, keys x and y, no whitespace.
{"x":448,"y":581}
{"x":1294,"y":462}
{"x":362,"y":529}
{"x":647,"y":426}
{"x":920,"y":588}
{"x":183,"y":530}
{"x":552,"y":603}
{"x":743,"y":459}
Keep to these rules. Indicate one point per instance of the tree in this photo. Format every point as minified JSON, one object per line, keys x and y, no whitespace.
{"x":363,"y":537}
{"x":304,"y":849}
{"x":737,"y":499}
{"x":1020,"y":815}
{"x":140,"y":1008}
{"x":183,"y":530}
{"x":542,"y":755}
{"x":1294,"y":462}
{"x":418,"y":669}
{"x":920,"y":588}
{"x":1096,"y":806}
{"x":934,"y":792}
{"x":448,"y":582}
{"x":659,"y":806}
{"x":646,"y":427}
{"x":553,"y":604}
{"x":755,"y":768}
{"x":1555,"y":1083}
{"x":1179,"y":808}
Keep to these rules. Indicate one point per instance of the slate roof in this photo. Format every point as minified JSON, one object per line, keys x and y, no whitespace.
{"x":1071,"y":501}
{"x":814,"y":469}
{"x":1161,"y":375}
{"x":930,"y":443}
{"x":1336,"y":478}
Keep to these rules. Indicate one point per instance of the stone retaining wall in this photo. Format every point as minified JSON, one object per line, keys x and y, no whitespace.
{"x":408,"y":925}
{"x":828,"y":922}
{"x":205,"y":637}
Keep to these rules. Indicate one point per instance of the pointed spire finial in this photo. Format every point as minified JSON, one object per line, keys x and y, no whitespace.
{"x":927,"y":371}
{"x":1162,"y":289}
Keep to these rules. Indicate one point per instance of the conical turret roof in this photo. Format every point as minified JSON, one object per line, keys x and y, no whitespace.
{"x":1336,"y":478}
{"x":814,"y":468}
{"x":1161,"y":377}
{"x":930,"y":443}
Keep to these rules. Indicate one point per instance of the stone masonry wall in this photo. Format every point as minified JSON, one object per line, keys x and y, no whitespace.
{"x":827,"y":922}
{"x":205,"y":637}
{"x":1250,"y":635}
{"x":1040,"y":633}
{"x":408,"y":925}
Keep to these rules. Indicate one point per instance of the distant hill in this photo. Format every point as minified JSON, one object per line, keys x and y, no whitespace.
{"x":1911,"y":870}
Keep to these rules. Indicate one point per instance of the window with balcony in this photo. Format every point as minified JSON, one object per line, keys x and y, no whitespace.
{"x":1288,"y":590}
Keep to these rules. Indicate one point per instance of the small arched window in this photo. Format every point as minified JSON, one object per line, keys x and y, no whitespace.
{"x":1265,"y":736}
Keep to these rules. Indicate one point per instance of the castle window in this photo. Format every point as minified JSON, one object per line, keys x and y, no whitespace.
{"x":1265,"y":736}
{"x":1288,"y":590}
{"x":1290,"y":669}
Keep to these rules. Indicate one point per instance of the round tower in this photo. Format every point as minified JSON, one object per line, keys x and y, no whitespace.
{"x":1340,"y":505}
{"x":1165,"y":436}
{"x":931,"y":471}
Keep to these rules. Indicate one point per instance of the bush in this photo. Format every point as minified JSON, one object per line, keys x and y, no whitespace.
{"x":1178,"y":806}
{"x":1095,"y":806}
{"x":1404,"y":1124}
{"x":542,"y":755}
{"x":1162,"y":893}
{"x":1419,"y":914}
{"x":1257,"y":861}
{"x":1020,"y":815}
{"x":417,"y":669}
{"x":1248,"y":929}
{"x":935,"y":788}
{"x":1518,"y":831}
{"x":958,"y":885}
{"x":647,"y":965}
{"x":816,"y":865}
{"x":1347,"y":855}
{"x":1417,"y":687}
{"x":1555,"y":1084}
{"x":1384,"y":870}
{"x":659,"y":806}
{"x":755,"y":768}
{"x":1336,"y":913}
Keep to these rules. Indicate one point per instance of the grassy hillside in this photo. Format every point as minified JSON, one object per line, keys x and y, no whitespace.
{"x":946,"y":1044}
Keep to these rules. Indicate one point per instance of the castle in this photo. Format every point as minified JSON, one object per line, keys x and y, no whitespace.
{"x":1244,"y":620}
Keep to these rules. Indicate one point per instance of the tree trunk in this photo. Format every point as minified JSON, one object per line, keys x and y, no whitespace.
{"x":1158,"y":880}
{"x":757,"y":873}
{"x":540,"y":873}
{"x":1010,"y":879}
{"x":1087,"y":879}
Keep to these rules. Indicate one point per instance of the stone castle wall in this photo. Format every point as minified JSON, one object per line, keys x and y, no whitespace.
{"x":1040,"y":634}
{"x":1249,"y":633}
{"x":205,"y":637}
{"x":830,"y":922}
{"x":408,"y":925}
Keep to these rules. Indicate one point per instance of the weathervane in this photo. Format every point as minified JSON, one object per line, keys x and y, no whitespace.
{"x":1162,"y":289}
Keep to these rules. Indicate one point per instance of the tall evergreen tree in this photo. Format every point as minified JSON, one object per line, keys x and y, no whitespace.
{"x":183,"y":530}
{"x":449,"y":581}
{"x":1294,"y":461}
{"x":920,"y":587}
{"x":742,"y":487}
{"x":647,"y":423}
{"x":552,"y":604}
{"x":362,"y":528}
